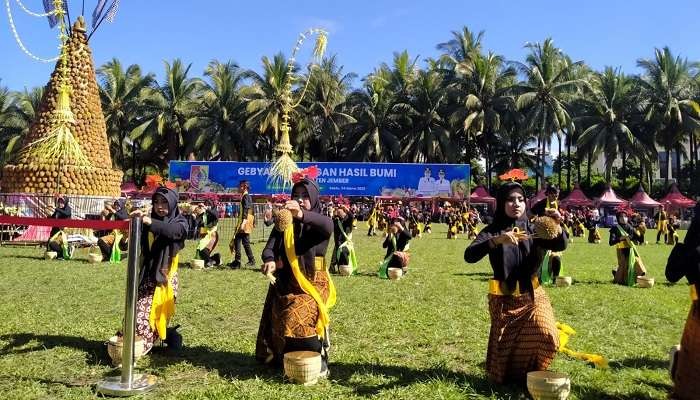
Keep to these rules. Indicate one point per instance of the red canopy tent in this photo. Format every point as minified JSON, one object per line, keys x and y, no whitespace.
{"x":537,"y":197}
{"x":576,"y":199}
{"x":674,"y":199}
{"x":481,"y":196}
{"x":129,"y":188}
{"x":642,"y":200}
{"x":609,"y":199}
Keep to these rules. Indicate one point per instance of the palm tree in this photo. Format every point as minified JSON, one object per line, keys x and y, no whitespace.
{"x":17,"y":113}
{"x":120,"y":92}
{"x":667,"y":89}
{"x":322,"y":111}
{"x":171,"y":110}
{"x":265,"y":100}
{"x":221,"y":119}
{"x":428,"y":140}
{"x":605,"y":113}
{"x":486,"y":103}
{"x":459,"y":51}
{"x":542,"y":96}
{"x":372,"y":137}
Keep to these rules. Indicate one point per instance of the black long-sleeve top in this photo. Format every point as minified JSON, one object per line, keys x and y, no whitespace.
{"x":212,"y":220}
{"x":513,"y":263}
{"x":402,"y":238}
{"x":616,"y":236}
{"x":311,"y":236}
{"x":246,"y":204}
{"x":342,"y":225}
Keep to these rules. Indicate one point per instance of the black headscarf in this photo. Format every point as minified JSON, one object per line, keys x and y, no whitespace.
{"x":158,"y":257}
{"x":501,"y":220}
{"x":64,"y":212}
{"x":121,"y":213}
{"x":692,"y":237}
{"x":307,"y":243}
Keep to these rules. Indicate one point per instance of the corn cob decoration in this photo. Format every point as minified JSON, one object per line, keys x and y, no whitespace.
{"x":282,"y":169}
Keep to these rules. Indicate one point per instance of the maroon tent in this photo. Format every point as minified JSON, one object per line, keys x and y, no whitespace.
{"x":576,"y":199}
{"x":675,"y":199}
{"x":481,"y":196}
{"x":609,"y":199}
{"x":129,"y":188}
{"x":642,"y":200}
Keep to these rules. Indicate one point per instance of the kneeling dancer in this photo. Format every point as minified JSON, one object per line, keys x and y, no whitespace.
{"x":523,"y":336}
{"x":295,"y":315}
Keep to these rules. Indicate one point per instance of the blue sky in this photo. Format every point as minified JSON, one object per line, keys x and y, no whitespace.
{"x":363,"y":33}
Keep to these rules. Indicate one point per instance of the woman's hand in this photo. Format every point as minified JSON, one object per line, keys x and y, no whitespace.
{"x":510,"y":238}
{"x":294,"y":207}
{"x":553,"y":213}
{"x":268,"y":268}
{"x":140,"y":214}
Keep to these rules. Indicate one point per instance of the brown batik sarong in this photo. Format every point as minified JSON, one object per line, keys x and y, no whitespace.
{"x":523,"y":336}
{"x":687,"y":377}
{"x":143,"y":311}
{"x":292,"y":314}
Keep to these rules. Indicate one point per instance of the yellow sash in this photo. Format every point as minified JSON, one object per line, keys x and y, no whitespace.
{"x":308,"y":288}
{"x":693,"y":293}
{"x":163,"y":305}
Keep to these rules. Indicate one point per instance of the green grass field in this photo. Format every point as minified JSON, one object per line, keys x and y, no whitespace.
{"x":424,"y":336}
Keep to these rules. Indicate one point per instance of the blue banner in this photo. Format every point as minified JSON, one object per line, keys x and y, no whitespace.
{"x":335,"y":178}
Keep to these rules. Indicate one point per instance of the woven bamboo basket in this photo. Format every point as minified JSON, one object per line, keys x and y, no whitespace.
{"x":345,"y":270}
{"x":545,"y":385}
{"x":563,"y":281}
{"x":197,"y":264}
{"x":645,"y":282}
{"x":303,"y":367}
{"x":93,"y":256}
{"x":50,"y":255}
{"x":395,"y":273}
{"x":114,"y":349}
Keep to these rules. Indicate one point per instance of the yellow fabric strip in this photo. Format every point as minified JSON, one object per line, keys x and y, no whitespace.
{"x":499,"y":288}
{"x":163,"y":305}
{"x":565,"y":332}
{"x":308,"y":288}
{"x":693,"y":293}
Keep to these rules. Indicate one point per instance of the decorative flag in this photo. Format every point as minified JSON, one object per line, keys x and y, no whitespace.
{"x":48,"y":8}
{"x":97,"y":13}
{"x":112,"y":12}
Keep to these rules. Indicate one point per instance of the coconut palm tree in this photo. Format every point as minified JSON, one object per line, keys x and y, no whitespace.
{"x":322,"y":111}
{"x":120,"y":93}
{"x":605,"y":113}
{"x":487,"y":101}
{"x":265,"y":100}
{"x":373,"y":136}
{"x":428,"y":139}
{"x":171,"y":110}
{"x":17,"y":113}
{"x":667,"y":89}
{"x":221,"y":119}
{"x":542,"y":95}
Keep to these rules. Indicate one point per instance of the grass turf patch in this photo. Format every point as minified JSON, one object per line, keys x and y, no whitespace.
{"x":424,"y":336}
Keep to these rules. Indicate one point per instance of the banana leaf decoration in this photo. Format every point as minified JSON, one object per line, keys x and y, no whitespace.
{"x":282,"y":169}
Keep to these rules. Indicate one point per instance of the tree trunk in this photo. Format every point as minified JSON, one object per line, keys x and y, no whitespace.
{"x":678,"y":163}
{"x":172,"y":137}
{"x":537,"y":166}
{"x":561,"y":164}
{"x":668,"y":165}
{"x":133,"y":160}
{"x":568,"y":160}
{"x":588,"y":167}
{"x":692,"y":158}
{"x":624,"y":168}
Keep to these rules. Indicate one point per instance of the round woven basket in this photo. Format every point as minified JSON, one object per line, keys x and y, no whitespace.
{"x":564,"y":281}
{"x":197,"y":264}
{"x":114,"y":349}
{"x":645,"y":282}
{"x":94,"y":258}
{"x":545,"y":385}
{"x":345,"y":270}
{"x":50,"y":255}
{"x":395,"y":273}
{"x":302,"y":367}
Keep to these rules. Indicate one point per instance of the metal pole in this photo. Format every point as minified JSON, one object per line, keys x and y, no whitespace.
{"x":129,"y":383}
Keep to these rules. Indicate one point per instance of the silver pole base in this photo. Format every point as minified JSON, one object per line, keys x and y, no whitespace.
{"x":113,"y":386}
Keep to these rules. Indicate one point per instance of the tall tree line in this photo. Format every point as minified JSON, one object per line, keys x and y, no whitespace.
{"x":466,"y":105}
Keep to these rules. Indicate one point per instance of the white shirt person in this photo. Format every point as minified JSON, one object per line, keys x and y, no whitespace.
{"x":426,"y":184}
{"x":442,"y":185}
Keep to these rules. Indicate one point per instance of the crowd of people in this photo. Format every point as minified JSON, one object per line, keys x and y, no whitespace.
{"x":296,"y":312}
